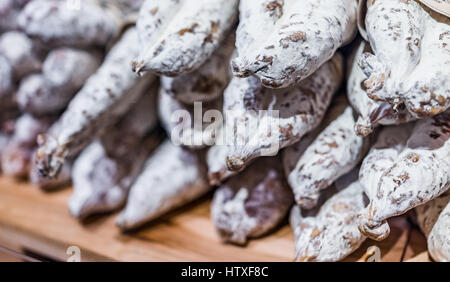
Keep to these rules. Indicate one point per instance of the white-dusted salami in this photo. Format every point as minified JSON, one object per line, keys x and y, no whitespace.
{"x":262,"y":121}
{"x":251,"y":204}
{"x":411,"y":60}
{"x":103,"y":100}
{"x":417,"y":175}
{"x":284,"y":41}
{"x":172,"y":176}
{"x":178,"y":36}
{"x":332,"y":233}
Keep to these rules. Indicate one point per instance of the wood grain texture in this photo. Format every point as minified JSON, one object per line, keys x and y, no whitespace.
{"x":34,"y":220}
{"x":8,"y":257}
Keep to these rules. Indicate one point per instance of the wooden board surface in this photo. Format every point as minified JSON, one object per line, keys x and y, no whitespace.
{"x":38,"y":221}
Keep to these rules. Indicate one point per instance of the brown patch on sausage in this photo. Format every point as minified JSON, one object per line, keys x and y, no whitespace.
{"x":295,"y":37}
{"x":413,"y":157}
{"x":333,"y":145}
{"x":154,"y":11}
{"x":275,"y":8}
{"x":315,"y":233}
{"x":186,"y":30}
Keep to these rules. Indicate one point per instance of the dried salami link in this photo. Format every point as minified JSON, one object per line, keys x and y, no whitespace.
{"x":55,"y":23}
{"x":251,"y":112}
{"x":282,"y":42}
{"x":65,"y":70}
{"x":429,"y":92}
{"x":22,"y":53}
{"x":17,"y":155}
{"x":395,"y":30}
{"x":172,"y":176}
{"x":332,"y":233}
{"x":205,"y":84}
{"x":105,"y":97}
{"x":333,"y":153}
{"x":251,"y":204}
{"x":106,"y":169}
{"x":434,"y":220}
{"x":418,"y":175}
{"x":191,"y":131}
{"x":371,"y":113}
{"x":178,"y":36}
{"x":411,"y":61}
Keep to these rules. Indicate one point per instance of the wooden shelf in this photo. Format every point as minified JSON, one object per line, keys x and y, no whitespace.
{"x":38,"y":221}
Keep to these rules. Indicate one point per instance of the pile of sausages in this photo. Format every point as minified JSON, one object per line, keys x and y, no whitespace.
{"x":88,"y":94}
